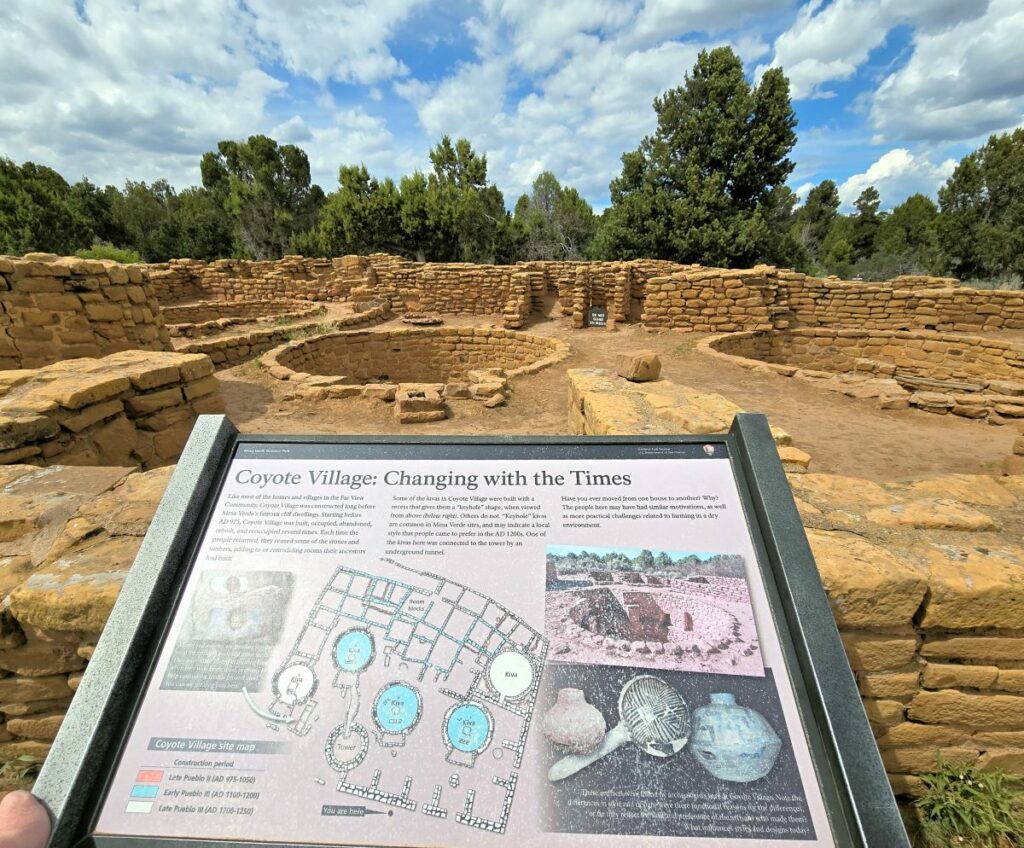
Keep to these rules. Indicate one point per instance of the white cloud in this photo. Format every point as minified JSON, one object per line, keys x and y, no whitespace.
{"x":961,"y":82}
{"x":659,"y":19}
{"x":132,"y":94}
{"x":897,"y":174}
{"x":325,"y":39}
{"x":356,"y":137}
{"x":830,"y":43}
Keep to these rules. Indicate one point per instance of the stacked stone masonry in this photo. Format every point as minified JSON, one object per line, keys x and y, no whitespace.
{"x":660,"y":293}
{"x":134,"y":408}
{"x":207,"y":318}
{"x":234,"y":349}
{"x":54,"y":308}
{"x":971,"y":376}
{"x":433,"y":355}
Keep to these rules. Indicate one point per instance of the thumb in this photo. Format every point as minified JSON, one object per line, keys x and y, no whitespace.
{"x":24,"y":822}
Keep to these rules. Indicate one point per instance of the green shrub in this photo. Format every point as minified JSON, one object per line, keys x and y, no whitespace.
{"x":108,"y":251}
{"x":970,"y":807}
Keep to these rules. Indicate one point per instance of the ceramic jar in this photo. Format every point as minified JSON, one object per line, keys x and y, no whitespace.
{"x":733,"y":742}
{"x":574,"y":725}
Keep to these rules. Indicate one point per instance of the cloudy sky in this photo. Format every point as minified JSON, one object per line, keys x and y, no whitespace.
{"x":888,"y":92}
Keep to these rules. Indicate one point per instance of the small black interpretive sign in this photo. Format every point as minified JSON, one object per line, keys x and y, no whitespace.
{"x":597,"y":316}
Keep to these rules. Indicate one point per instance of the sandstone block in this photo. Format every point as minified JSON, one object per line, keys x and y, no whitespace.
{"x":104,"y":312}
{"x":948,"y":676}
{"x":967,"y":488}
{"x":912,"y":733}
{"x":209,"y":385}
{"x":992,"y":649}
{"x":884,"y":713}
{"x":871,"y":652}
{"x":866,"y":585}
{"x":154,"y":377}
{"x":145,"y":404}
{"x":1011,"y":680}
{"x":639,"y":367}
{"x":420,"y":417}
{"x":932,"y":515}
{"x":949,"y":706}
{"x":973,"y":587}
{"x":38,"y":659}
{"x":923,"y":760}
{"x":92,"y":415}
{"x":27,"y":689}
{"x":889,"y":686}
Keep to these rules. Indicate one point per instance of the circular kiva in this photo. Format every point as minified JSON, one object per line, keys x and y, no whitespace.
{"x":432,"y":355}
{"x":208,"y":317}
{"x":354,"y":650}
{"x":468,"y":728}
{"x":683,"y":617}
{"x":971,"y":376}
{"x":294,"y":683}
{"x":510,"y":674}
{"x":397,"y":708}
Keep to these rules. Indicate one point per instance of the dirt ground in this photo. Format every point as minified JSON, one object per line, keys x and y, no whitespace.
{"x":843,"y":435}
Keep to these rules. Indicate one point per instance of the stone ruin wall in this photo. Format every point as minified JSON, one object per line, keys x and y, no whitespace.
{"x":133,"y":408}
{"x":659,"y":293}
{"x":976,"y":361}
{"x":418,"y":356}
{"x":55,"y":308}
{"x":239,"y":347}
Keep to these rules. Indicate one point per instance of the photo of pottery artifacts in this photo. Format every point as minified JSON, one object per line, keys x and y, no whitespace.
{"x":646,"y":608}
{"x":233,"y":621}
{"x":663,"y":753}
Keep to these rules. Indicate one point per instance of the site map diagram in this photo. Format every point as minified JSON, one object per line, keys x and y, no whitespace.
{"x":420,"y":691}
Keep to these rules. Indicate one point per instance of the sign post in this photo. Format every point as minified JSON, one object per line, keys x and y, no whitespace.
{"x":540,"y":641}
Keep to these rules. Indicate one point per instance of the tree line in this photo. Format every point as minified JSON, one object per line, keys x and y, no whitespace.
{"x":708,"y":186}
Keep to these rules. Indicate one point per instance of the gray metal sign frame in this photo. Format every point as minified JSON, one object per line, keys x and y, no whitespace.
{"x":860,"y":803}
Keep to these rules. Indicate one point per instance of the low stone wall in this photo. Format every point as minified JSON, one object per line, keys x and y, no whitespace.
{"x":658,"y":292}
{"x":290,"y":278}
{"x":971,"y":376}
{"x":54,"y":308}
{"x":713,"y":299}
{"x":130,"y":408}
{"x":207,"y":318}
{"x":234,"y":349}
{"x":809,"y":302}
{"x":925,"y":579}
{"x":434,"y":355}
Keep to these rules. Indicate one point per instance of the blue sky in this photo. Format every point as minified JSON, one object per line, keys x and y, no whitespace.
{"x":888,"y":93}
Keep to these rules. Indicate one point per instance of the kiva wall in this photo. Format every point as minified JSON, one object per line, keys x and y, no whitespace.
{"x":55,"y":308}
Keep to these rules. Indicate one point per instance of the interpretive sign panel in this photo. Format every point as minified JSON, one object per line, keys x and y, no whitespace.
{"x":457,"y":644}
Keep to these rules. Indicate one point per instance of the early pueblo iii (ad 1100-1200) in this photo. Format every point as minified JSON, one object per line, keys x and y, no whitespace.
{"x":471,"y":642}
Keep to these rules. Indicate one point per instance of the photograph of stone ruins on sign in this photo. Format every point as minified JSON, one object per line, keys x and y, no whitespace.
{"x":653,"y":609}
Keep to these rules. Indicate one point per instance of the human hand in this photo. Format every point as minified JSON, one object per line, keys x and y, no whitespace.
{"x":24,"y":822}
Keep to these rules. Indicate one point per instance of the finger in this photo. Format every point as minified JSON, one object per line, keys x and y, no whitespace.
{"x":24,"y":822}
